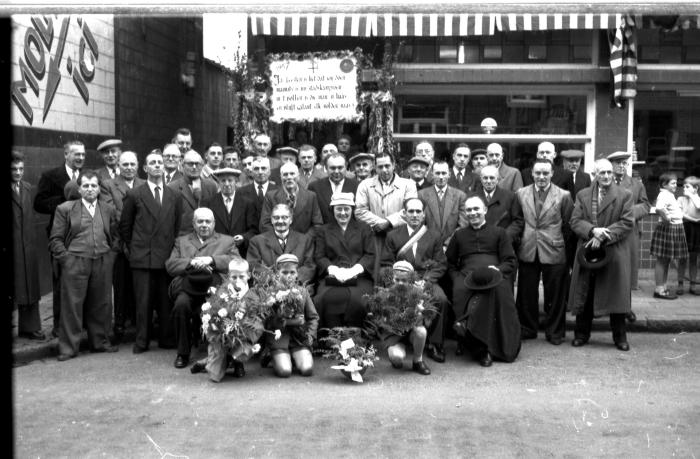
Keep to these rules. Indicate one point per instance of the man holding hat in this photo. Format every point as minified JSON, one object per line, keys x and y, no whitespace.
{"x":198,"y":261}
{"x":336,"y":182}
{"x":362,"y":165}
{"x":234,"y":212}
{"x":417,"y":170}
{"x":640,"y":209}
{"x":110,"y":151}
{"x":602,"y":217}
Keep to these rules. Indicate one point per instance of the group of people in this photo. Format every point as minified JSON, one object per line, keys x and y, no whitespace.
{"x":469,"y":230}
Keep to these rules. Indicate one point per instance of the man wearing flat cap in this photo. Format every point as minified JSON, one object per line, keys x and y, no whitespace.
{"x":234,"y":211}
{"x":286,"y":155}
{"x":110,"y":151}
{"x":578,"y":180}
{"x":417,"y":169}
{"x":602,"y":217}
{"x":479,"y":160}
{"x":198,"y":261}
{"x":362,"y":165}
{"x":640,"y":209}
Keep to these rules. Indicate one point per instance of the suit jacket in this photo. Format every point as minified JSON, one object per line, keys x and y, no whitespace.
{"x":469,"y":181}
{"x":583,"y":180}
{"x":25,"y":262}
{"x":103,"y":173}
{"x":306,"y":216}
{"x":114,"y":190}
{"x":545,"y":235}
{"x":374,"y":203}
{"x":345,"y":249}
{"x":426,"y":184}
{"x":316,"y":174}
{"x":176,"y":175}
{"x":251,"y":192}
{"x":502,"y":211}
{"x":454,"y":214}
{"x":220,"y":247}
{"x":510,"y":178}
{"x":429,"y":261}
{"x":50,"y":192}
{"x":189,"y":202}
{"x":640,"y":201}
{"x":323,"y":191}
{"x":241,"y":220}
{"x":148,"y":230}
{"x":560,"y":177}
{"x":265,"y":248}
{"x":67,"y":226}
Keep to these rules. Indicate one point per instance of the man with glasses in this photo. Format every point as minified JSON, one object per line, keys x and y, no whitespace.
{"x":193,"y":188}
{"x":172,"y":162}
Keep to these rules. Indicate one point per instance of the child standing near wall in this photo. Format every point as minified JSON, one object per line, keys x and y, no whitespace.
{"x":690,"y":205}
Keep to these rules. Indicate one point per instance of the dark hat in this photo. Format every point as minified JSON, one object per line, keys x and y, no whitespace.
{"x":109,"y":143}
{"x":226,"y":171}
{"x":479,"y":152}
{"x":287,"y":151}
{"x":420,"y":160}
{"x":483,"y":279}
{"x":571,"y":154}
{"x":359,"y":156}
{"x":197,"y":281}
{"x":590,"y":258}
{"x":618,"y":156}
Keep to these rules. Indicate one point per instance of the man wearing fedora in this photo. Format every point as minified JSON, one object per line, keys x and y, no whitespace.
{"x":110,"y":150}
{"x":490,"y":326}
{"x":234,"y":211}
{"x":543,"y":213}
{"x":362,"y":165}
{"x":602,"y":218}
{"x":198,"y":261}
{"x":336,"y":182}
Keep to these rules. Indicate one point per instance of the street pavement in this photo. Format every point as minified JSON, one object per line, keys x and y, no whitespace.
{"x":553,"y":401}
{"x":653,"y":315}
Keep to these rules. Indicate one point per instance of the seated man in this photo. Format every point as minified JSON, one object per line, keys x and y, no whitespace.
{"x":421,"y":248}
{"x":490,"y":326}
{"x":298,"y":333}
{"x":198,"y":260}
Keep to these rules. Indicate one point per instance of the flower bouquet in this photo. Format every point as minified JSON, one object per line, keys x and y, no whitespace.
{"x":350,"y":349}
{"x":396,"y":309}
{"x":285,"y":301}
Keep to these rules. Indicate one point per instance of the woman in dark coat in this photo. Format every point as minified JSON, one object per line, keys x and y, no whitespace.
{"x":26,"y":269}
{"x":345,"y":256}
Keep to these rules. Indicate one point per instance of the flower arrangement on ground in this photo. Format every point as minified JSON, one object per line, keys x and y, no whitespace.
{"x":350,"y":347}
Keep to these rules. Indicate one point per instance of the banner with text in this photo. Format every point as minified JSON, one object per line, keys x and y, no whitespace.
{"x":314,"y":89}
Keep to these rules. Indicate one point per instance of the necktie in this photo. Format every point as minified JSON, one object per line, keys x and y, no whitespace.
{"x":15,"y":187}
{"x":601,"y":195}
{"x":291,"y":200}
{"x":441,"y":194}
{"x":538,"y":201}
{"x":617,"y":180}
{"x":75,"y":174}
{"x":168,"y":177}
{"x":460,"y":176}
{"x":91,"y":209}
{"x":158,"y":195}
{"x":488,"y":198}
{"x":260,"y":193}
{"x":228,"y":203}
{"x":283,"y":243}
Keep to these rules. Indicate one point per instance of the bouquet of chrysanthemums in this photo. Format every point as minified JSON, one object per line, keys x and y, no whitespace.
{"x":350,"y":347}
{"x":285,"y":299}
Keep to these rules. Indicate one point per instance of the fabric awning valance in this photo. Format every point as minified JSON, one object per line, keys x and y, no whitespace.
{"x":421,"y":25}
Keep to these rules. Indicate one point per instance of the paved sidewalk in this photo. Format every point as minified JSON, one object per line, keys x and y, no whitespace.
{"x":653,"y":315}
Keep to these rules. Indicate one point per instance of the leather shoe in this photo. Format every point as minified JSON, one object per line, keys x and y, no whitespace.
{"x":35,"y":335}
{"x":485,"y":360}
{"x":181,"y":361}
{"x":138,"y":349}
{"x":665,"y":296}
{"x":64,"y":357}
{"x":631,"y":316}
{"x":421,"y":368}
{"x":460,"y":349}
{"x":623,"y":346}
{"x":556,"y":340}
{"x":578,"y":342}
{"x":110,"y":349}
{"x":397,"y":365}
{"x":238,"y":369}
{"x":265,"y":358}
{"x":436,"y":353}
{"x":198,"y":367}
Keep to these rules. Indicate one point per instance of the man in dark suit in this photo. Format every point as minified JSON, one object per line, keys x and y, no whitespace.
{"x":417,"y":170}
{"x":110,"y":150}
{"x":335,"y":183}
{"x":257,"y":190}
{"x":501,"y":206}
{"x":113,"y":192}
{"x":172,"y":159}
{"x":307,"y":172}
{"x":305,"y":211}
{"x":422,"y":248}
{"x":198,"y":261}
{"x":84,"y":239}
{"x":578,"y":180}
{"x":460,"y":175}
{"x":285,"y":155}
{"x":234,"y":212}
{"x":50,"y":193}
{"x":266,"y":247}
{"x":149,"y":223}
{"x":560,"y":177}
{"x":444,"y":205}
{"x":262,"y":146}
{"x":193,"y":188}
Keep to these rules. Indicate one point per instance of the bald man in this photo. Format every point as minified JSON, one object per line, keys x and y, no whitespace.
{"x":560,"y":176}
{"x":510,"y":178}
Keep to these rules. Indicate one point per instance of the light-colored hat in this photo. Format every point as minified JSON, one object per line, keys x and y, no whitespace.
{"x":571,"y":154}
{"x":343,"y":199}
{"x":358,"y":156}
{"x":403,"y":265}
{"x":226,"y":171}
{"x":618,"y":156}
{"x":418,"y":159}
{"x":286,"y":258}
{"x":287,"y":150}
{"x":109,"y":143}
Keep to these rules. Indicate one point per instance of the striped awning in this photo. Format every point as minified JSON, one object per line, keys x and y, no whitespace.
{"x":421,"y":25}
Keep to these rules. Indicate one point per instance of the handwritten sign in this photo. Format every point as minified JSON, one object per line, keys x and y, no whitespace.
{"x":314,"y":89}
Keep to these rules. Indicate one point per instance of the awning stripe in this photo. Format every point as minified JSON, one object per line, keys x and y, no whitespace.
{"x":430,"y":24}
